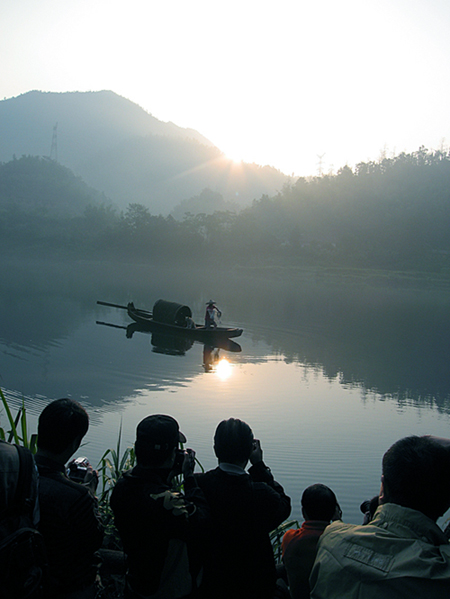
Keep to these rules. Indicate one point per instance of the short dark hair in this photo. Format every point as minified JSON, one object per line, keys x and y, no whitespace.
{"x":60,"y":423}
{"x":319,"y":502}
{"x":416,"y":473}
{"x":233,"y":441}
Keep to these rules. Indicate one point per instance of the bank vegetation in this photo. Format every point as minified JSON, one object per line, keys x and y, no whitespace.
{"x":393,"y":214}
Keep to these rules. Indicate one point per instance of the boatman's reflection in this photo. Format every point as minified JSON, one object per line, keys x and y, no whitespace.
{"x":210,"y":357}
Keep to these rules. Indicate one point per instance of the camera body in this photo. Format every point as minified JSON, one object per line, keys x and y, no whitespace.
{"x":77,"y":469}
{"x":179,"y":459}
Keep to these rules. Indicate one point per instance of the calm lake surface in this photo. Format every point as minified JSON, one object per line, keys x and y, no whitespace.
{"x":332,"y":370}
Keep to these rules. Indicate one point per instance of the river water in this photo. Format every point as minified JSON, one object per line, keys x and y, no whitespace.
{"x":332,"y":370}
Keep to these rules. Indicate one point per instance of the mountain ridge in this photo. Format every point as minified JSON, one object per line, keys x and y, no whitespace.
{"x":124,"y":151}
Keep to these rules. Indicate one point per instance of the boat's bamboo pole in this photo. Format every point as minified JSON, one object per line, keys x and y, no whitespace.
{"x":112,"y":305}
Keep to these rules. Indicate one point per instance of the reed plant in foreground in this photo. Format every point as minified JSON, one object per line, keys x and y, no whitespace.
{"x":276,"y":536}
{"x":18,"y":432}
{"x":112,"y":465}
{"x":110,"y":468}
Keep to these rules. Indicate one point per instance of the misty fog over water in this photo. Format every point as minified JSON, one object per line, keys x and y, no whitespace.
{"x":333,"y":368}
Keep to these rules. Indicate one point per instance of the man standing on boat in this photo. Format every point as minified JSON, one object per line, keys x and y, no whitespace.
{"x":210,"y":315}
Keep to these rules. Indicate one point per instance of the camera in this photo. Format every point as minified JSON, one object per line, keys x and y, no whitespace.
{"x":179,"y":459}
{"x":77,"y":469}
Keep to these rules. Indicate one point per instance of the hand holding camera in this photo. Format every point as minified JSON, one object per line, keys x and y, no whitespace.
{"x":188,"y":463}
{"x":184,"y":462}
{"x":80,"y":471}
{"x":257,"y":455}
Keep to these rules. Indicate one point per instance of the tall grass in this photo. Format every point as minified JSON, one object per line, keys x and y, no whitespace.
{"x":276,"y":536}
{"x":18,"y":433}
{"x":110,"y":468}
{"x":112,"y":465}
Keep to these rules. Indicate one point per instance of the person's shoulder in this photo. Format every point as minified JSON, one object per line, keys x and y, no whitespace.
{"x":60,"y":485}
{"x":117,"y":490}
{"x":126,"y":478}
{"x":264,"y":488}
{"x":340,"y":527}
{"x":291,"y":535}
{"x":9,"y":453}
{"x":339,"y":533}
{"x":208,"y":479}
{"x":209,"y":474}
{"x":7,"y":448}
{"x":124,"y":484}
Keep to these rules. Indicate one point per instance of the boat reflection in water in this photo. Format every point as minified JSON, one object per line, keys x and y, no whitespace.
{"x":171,"y":345}
{"x":179,"y":344}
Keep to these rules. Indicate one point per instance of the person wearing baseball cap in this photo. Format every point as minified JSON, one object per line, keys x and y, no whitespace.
{"x":156,"y":437}
{"x":160,"y":527}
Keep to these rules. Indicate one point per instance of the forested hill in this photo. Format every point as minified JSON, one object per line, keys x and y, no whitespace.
{"x":40,"y":188}
{"x":391,"y":214}
{"x":122,"y":150}
{"x":395,"y":211}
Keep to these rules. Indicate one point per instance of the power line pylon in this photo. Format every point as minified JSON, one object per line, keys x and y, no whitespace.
{"x":320,"y":164}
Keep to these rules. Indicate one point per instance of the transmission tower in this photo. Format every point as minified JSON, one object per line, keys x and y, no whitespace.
{"x":54,"y":148}
{"x":320,"y":164}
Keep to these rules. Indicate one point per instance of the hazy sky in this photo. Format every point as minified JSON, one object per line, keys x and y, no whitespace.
{"x":279,"y":83}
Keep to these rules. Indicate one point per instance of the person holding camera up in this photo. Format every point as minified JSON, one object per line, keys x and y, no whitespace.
{"x":245,"y":508}
{"x":161,"y":528}
{"x":69,"y":520}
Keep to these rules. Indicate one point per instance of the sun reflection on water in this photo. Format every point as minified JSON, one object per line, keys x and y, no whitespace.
{"x":223,"y":369}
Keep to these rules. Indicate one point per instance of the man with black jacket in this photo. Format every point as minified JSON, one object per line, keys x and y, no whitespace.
{"x":69,"y":520}
{"x":160,"y":527}
{"x":245,"y":508}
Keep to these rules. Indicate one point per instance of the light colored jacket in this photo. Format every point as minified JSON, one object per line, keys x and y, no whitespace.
{"x":401,"y":554}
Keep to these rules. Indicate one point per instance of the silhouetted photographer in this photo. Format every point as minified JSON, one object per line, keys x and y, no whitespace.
{"x":245,"y":508}
{"x":69,"y":521}
{"x":161,"y":528}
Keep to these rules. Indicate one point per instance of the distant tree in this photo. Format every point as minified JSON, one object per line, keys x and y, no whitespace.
{"x":207,"y":202}
{"x":137,"y":218}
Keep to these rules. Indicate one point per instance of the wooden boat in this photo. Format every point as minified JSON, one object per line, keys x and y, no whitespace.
{"x":179,"y":324}
{"x":171,"y":318}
